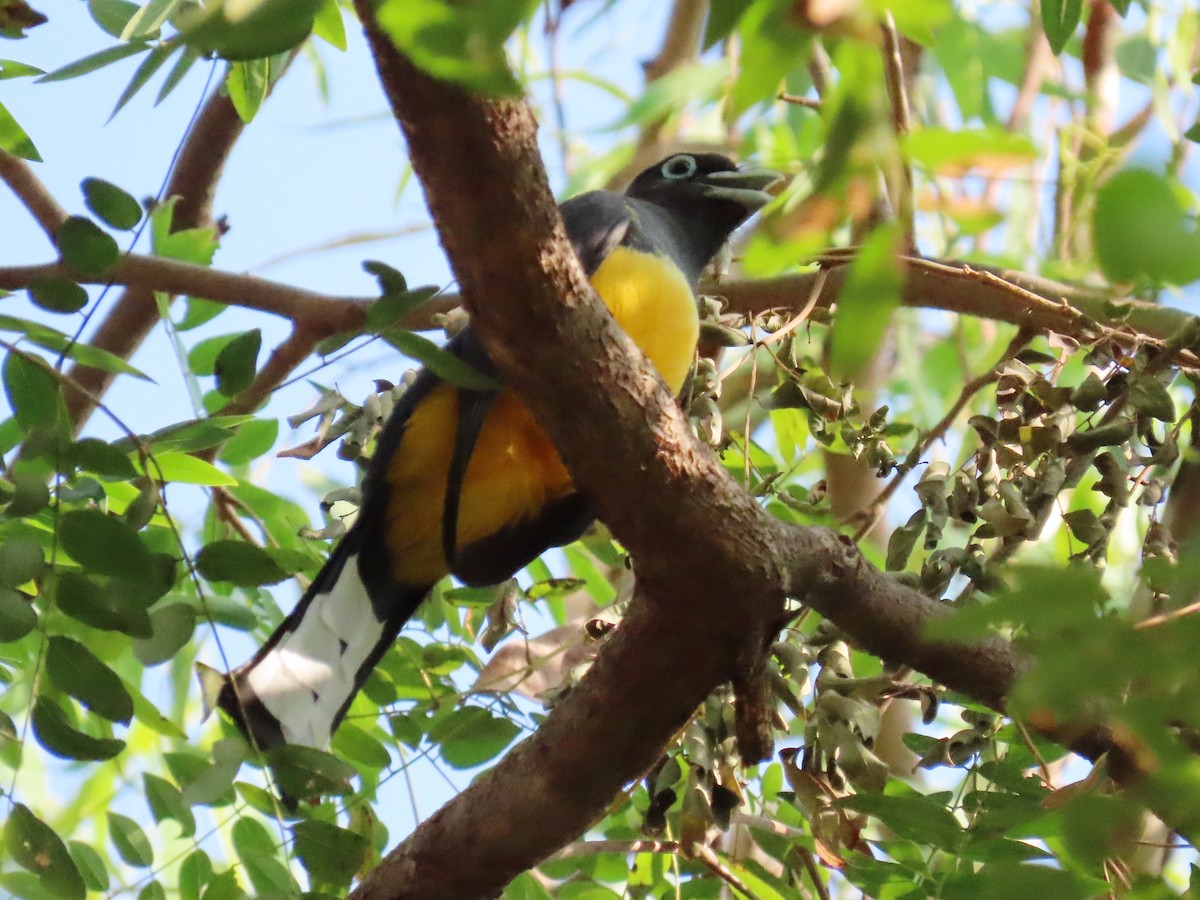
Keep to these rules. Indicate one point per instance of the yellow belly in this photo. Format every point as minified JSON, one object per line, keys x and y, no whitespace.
{"x":514,"y":469}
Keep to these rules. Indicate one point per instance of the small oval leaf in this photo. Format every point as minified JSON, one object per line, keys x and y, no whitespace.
{"x":76,"y":671}
{"x":56,"y":294}
{"x":239,"y":563}
{"x":85,"y":248}
{"x":55,"y":733}
{"x":111,"y":204}
{"x":102,"y":544}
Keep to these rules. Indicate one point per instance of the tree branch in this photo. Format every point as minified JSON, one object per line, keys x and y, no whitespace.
{"x":15,"y":172}
{"x":323,"y":314}
{"x":713,"y":568}
{"x":1029,"y":301}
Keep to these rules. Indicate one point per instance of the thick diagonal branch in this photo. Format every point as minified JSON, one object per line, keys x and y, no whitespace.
{"x":713,"y":568}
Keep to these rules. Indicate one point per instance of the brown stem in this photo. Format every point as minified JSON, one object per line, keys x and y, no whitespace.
{"x":321,"y":313}
{"x":902,"y":194}
{"x":15,"y":172}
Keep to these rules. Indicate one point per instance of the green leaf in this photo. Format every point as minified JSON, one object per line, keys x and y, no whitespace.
{"x":1140,"y":231}
{"x":1001,"y":881}
{"x":328,"y":25}
{"x":871,"y":292}
{"x":176,"y":75}
{"x":151,"y":64}
{"x":32,"y":391}
{"x":235,"y":364}
{"x":1077,"y":592}
{"x":85,"y":248}
{"x":250,"y":442}
{"x":239,"y":563}
{"x":393,"y":306}
{"x":112,"y":15}
{"x":94,"y":61}
{"x":111,"y":204}
{"x":773,"y":44}
{"x":198,"y":312}
{"x":101,"y":458}
{"x":102,"y":544}
{"x":202,"y":358}
{"x":463,"y":43}
{"x":251,"y":838}
{"x":722,"y":19}
{"x":257,"y":849}
{"x":90,"y":864}
{"x":195,"y":872}
{"x":356,"y":745}
{"x":10,"y":68}
{"x":17,"y":616}
{"x":306,"y":772}
{"x":54,"y":732}
{"x":76,"y":671}
{"x":922,"y":820}
{"x":193,"y":245}
{"x":189,"y":436}
{"x":177,"y":467}
{"x":209,"y":782}
{"x":21,"y":560}
{"x":172,"y":625}
{"x":442,"y":363}
{"x":471,"y":735}
{"x":166,"y":802}
{"x":14,"y":139}
{"x":1059,"y":20}
{"x":149,"y":19}
{"x":55,"y":340}
{"x":36,"y":847}
{"x":248,"y":84}
{"x":131,"y":842}
{"x":251,"y":30}
{"x":955,"y":153}
{"x":30,"y":494}
{"x":1150,"y":396}
{"x":147,"y":714}
{"x":332,"y":855}
{"x":904,"y":540}
{"x":101,"y":606}
{"x":57,"y":294}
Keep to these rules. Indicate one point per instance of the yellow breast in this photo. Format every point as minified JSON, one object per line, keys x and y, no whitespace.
{"x":515,"y":469}
{"x":654,"y":305}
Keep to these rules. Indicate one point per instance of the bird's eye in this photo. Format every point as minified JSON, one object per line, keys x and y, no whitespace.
{"x":678,"y":167}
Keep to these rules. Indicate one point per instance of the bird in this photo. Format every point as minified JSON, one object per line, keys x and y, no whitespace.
{"x":464,"y":482}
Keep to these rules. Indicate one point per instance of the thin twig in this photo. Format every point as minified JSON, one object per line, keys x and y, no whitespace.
{"x":873,"y":510}
{"x":898,"y":95}
{"x":708,"y":856}
{"x":592,"y":848}
{"x":322,"y":312}
{"x":1163,"y":618}
{"x":814,"y":874}
{"x":797,"y":100}
{"x":34,"y":195}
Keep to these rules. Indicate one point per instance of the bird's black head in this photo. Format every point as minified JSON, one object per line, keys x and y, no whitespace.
{"x":708,"y":194}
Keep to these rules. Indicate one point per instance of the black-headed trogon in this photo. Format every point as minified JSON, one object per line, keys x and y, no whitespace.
{"x":465,"y":482}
